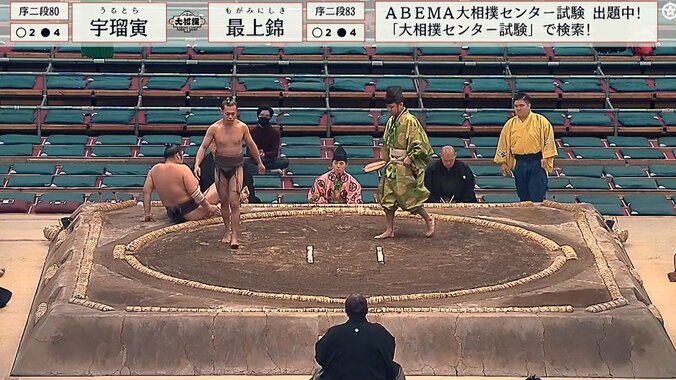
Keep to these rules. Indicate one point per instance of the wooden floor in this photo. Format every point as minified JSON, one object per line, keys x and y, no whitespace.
{"x":651,"y":245}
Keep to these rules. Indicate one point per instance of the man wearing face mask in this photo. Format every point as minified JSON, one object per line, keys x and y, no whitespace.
{"x":268,"y":140}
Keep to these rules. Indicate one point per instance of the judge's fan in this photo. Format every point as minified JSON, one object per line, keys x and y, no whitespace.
{"x":373,"y":166}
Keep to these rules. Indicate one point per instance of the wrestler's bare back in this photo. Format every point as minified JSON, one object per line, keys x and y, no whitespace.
{"x":228,"y":139}
{"x":169,"y":181}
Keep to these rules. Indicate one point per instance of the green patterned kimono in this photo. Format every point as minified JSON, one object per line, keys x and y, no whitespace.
{"x":402,"y":186}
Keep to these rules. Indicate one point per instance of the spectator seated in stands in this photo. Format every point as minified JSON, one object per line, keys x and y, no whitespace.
{"x":336,"y":185}
{"x":449,"y":180}
{"x":357,"y":349}
{"x":268,"y":140}
{"x":178,"y":190}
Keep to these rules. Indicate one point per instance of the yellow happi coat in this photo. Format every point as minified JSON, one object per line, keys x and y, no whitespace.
{"x":533,"y":135}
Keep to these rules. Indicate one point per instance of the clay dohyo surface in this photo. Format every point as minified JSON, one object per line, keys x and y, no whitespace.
{"x":502,"y":290}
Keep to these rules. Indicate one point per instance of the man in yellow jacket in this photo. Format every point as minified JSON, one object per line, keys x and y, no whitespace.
{"x":527,"y":147}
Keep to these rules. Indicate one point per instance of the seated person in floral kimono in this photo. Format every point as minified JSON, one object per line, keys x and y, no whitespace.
{"x":336,"y":186}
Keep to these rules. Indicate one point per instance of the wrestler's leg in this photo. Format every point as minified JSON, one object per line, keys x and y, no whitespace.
{"x":235,"y":188}
{"x":197,"y":214}
{"x":222,"y":189}
{"x":389,"y":230}
{"x":212,"y":195}
{"x":428,"y":220}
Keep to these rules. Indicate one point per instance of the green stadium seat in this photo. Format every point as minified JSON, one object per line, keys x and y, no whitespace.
{"x":599,"y":199}
{"x":165,"y":117}
{"x":445,"y":85}
{"x":625,"y":52}
{"x":112,"y":117}
{"x":116,"y":140}
{"x":629,"y":85}
{"x":662,"y":141}
{"x":501,"y":198}
{"x":348,"y":50}
{"x":267,"y":198}
{"x":644,"y":119}
{"x":581,"y":142}
{"x":562,"y":198}
{"x":488,"y":118}
{"x":191,"y":151}
{"x":580,"y":85}
{"x":123,"y":181}
{"x":351,"y":118}
{"x":63,"y":151}
{"x":168,"y":49}
{"x":301,"y":151}
{"x":393,"y":50}
{"x":166,"y":82}
{"x":306,"y":169}
{"x":635,"y":183}
{"x":594,"y":153}
{"x":82,"y":169}
{"x":589,"y":183}
{"x":260,"y":50}
{"x":151,"y":151}
{"x":485,"y":153}
{"x":14,"y":139}
{"x":210,"y":83}
{"x":609,"y":209}
{"x":558,"y":183}
{"x":490,"y":85}
{"x":455,"y":142}
{"x":495,"y":183}
{"x":650,"y":205}
{"x":302,"y":140}
{"x":59,"y":202}
{"x":17,"y":116}
{"x":444,"y":118}
{"x":74,"y":181}
{"x":555,"y":118}
{"x":669,"y":118}
{"x":624,"y":171}
{"x":664,"y":50}
{"x":662,"y":170}
{"x":203,"y":117}
{"x":110,"y":82}
{"x":302,"y":118}
{"x":247,"y":117}
{"x":628,"y":141}
{"x":577,"y":51}
{"x":261,"y":84}
{"x":67,"y":140}
{"x":486,"y":171}
{"x":485,"y":50}
{"x":31,"y":180}
{"x":461,"y":153}
{"x":591,"y":171}
{"x":33,"y":168}
{"x":110,"y":151}
{"x":16,"y":202}
{"x":161,"y":139}
{"x":16,"y":150}
{"x":593,"y":119}
{"x":196,"y":140}
{"x":367,"y":180}
{"x":534,"y":85}
{"x":65,"y":117}
{"x":294,"y":198}
{"x":4,"y":169}
{"x":406,"y":84}
{"x":304,"y":181}
{"x":17,"y":81}
{"x":349,"y":84}
{"x":642,"y":153}
{"x":353,"y":140}
{"x":127,"y":169}
{"x":70,"y":82}
{"x":128,"y":49}
{"x":439,"y":50}
{"x":307,"y":84}
{"x":665,"y":84}
{"x":34,"y":49}
{"x":666,"y":183}
{"x":262,"y":181}
{"x":525,"y":50}
{"x":302,"y":50}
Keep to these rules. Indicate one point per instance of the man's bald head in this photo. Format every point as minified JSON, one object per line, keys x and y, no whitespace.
{"x":448,"y":156}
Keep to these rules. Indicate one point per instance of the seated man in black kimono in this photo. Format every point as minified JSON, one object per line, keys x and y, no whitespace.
{"x":357,"y":349}
{"x":449,"y":180}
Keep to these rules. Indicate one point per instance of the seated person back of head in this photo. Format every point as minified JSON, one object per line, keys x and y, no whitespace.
{"x":449,"y":179}
{"x":336,"y":185}
{"x":178,"y":189}
{"x":357,"y":349}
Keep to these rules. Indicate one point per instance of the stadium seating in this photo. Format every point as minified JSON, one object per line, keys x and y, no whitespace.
{"x":101,"y":125}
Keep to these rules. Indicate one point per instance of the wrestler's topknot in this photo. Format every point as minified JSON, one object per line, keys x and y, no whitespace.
{"x":228,"y":102}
